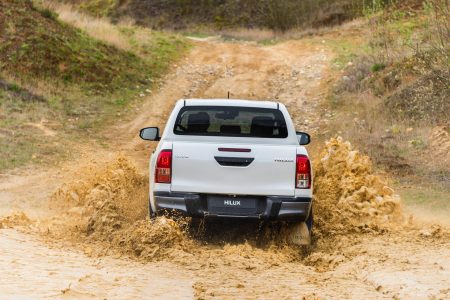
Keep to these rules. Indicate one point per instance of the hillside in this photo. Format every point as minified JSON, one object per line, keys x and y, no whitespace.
{"x":35,"y":45}
{"x":219,"y":14}
{"x":392,"y":97}
{"x":79,"y":83}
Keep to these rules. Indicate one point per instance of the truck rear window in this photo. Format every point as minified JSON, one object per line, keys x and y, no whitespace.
{"x":231,"y":121}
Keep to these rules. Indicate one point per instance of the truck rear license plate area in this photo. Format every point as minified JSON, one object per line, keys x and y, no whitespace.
{"x":229,"y":205}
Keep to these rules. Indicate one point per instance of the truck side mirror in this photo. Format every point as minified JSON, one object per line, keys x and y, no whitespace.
{"x":150,"y":134}
{"x":303,"y":138}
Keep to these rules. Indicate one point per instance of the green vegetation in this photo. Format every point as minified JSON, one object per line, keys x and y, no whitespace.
{"x":99,"y":8}
{"x":279,"y":15}
{"x":346,"y":49}
{"x":407,"y":63}
{"x":58,"y":82}
{"x":47,"y":49}
{"x":377,"y":67}
{"x":96,"y":8}
{"x":21,"y":139}
{"x":392,"y":100}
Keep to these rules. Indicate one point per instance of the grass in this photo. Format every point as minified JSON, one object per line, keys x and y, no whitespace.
{"x":22,"y":139}
{"x":155,"y":48}
{"x":346,"y":49}
{"x":100,"y":8}
{"x":96,"y":8}
{"x":85,"y":71}
{"x":98,"y":28}
{"x":281,"y":15}
{"x":35,"y":46}
{"x":144,"y":42}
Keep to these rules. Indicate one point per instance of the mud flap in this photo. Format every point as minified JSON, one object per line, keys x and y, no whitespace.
{"x":299,"y":234}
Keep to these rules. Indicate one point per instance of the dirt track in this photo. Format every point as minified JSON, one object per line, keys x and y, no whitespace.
{"x":51,"y":256}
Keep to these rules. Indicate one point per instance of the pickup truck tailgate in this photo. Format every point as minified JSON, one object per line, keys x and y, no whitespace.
{"x":220,"y":169}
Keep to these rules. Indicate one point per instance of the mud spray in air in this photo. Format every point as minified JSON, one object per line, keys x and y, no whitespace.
{"x":108,"y":206}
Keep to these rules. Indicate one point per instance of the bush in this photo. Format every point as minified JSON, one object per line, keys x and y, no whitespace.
{"x":377,"y":67}
{"x":47,"y":13}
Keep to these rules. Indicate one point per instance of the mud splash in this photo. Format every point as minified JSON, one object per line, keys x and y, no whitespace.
{"x":106,"y":210}
{"x":110,"y":196}
{"x":14,"y":220}
{"x":108,"y":206}
{"x":350,"y":198}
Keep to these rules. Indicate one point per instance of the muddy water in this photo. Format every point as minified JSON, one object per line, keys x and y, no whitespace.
{"x":82,"y":231}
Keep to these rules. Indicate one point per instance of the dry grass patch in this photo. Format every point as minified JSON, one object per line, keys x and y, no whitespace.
{"x":98,"y":28}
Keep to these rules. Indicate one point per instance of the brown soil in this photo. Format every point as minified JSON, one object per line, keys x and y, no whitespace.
{"x":83,"y":227}
{"x":440,"y":145}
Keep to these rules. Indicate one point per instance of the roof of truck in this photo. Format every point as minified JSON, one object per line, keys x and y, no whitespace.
{"x":231,"y":102}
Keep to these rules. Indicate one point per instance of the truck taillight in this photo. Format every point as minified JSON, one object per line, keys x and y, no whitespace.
{"x":303,"y":172}
{"x":163,"y":172}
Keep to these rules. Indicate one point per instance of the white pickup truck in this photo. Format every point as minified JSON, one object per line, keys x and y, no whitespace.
{"x":221,"y":158}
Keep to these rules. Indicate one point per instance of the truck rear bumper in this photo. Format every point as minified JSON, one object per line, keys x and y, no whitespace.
{"x":250,"y":207}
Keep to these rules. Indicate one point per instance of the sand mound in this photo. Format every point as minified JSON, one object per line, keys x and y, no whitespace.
{"x":349,"y":197}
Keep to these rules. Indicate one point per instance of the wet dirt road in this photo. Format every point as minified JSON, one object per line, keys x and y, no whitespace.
{"x":89,"y":240}
{"x":31,"y":269}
